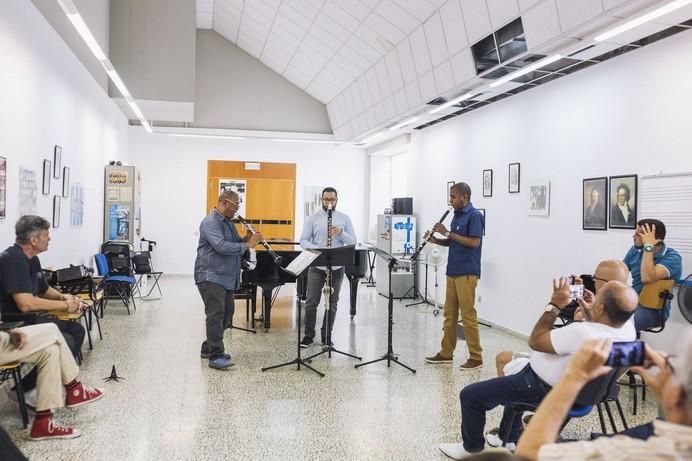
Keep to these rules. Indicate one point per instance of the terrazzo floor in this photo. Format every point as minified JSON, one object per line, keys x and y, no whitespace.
{"x":171,"y":406}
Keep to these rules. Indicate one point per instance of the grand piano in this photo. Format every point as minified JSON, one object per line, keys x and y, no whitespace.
{"x":267,"y":276}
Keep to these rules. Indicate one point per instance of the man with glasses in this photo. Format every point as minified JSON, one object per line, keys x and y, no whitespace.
{"x":217,"y":273}
{"x":315,"y":235}
{"x":649,"y":261}
{"x":673,"y":390}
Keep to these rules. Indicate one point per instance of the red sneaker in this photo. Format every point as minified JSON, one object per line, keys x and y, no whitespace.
{"x":81,"y":395}
{"x":46,"y":428}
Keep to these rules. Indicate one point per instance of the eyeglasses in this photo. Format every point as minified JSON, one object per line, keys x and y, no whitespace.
{"x":329,"y":199}
{"x":234,"y":203}
{"x":600,"y":279}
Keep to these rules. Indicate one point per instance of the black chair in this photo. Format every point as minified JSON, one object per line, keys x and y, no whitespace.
{"x":143,"y":267}
{"x":597,"y":392}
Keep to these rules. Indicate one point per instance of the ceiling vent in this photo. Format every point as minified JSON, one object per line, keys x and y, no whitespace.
{"x":502,"y":45}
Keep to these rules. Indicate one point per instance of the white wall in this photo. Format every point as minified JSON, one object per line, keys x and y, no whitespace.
{"x":174,"y":174}
{"x":50,"y":98}
{"x":628,"y":115}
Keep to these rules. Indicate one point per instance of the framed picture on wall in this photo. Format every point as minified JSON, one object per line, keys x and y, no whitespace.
{"x":487,"y":183}
{"x":56,"y":211}
{"x":3,"y":187}
{"x":57,"y":161}
{"x":449,"y":186}
{"x":46,"y":177}
{"x":594,"y":203}
{"x":623,"y":202}
{"x":514,"y":177}
{"x":65,"y":181}
{"x":539,"y":198}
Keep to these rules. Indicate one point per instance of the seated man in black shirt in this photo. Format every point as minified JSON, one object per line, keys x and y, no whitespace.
{"x":24,"y":292}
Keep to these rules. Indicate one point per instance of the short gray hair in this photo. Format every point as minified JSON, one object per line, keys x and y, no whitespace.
{"x":229,"y":195}
{"x":29,"y":225}
{"x":463,"y":189}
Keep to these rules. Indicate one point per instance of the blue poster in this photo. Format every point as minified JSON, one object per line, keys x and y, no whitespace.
{"x":119,"y":222}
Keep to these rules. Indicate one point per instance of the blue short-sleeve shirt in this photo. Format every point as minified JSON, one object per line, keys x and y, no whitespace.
{"x":463,"y":260}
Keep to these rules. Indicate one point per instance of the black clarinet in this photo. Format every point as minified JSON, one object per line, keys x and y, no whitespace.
{"x":427,"y":237}
{"x":277,"y":258}
{"x":328,"y":280}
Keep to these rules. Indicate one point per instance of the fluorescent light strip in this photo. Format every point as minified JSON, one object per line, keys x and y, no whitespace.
{"x":457,"y":100}
{"x":650,"y":16}
{"x":528,"y":69}
{"x":318,"y":141}
{"x":83,"y":30}
{"x":404,"y":123}
{"x":194,"y":135}
{"x":372,"y":138}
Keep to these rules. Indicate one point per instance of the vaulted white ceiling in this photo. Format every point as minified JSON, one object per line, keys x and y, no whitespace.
{"x":375,"y":62}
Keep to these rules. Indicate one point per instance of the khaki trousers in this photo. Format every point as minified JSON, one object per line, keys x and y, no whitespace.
{"x":46,"y":348}
{"x":461,"y":295}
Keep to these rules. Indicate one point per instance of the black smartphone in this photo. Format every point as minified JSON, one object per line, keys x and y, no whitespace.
{"x":626,"y":354}
{"x":10,"y":325}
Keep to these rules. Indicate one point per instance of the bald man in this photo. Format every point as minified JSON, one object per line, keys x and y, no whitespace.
{"x":607,"y":314}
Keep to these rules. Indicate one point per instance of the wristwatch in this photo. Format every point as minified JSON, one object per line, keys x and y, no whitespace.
{"x":648,"y":247}
{"x":550,"y":307}
{"x":446,"y":234}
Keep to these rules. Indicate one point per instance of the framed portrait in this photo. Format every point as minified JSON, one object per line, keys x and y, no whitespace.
{"x":56,"y":211}
{"x":487,"y":183}
{"x":482,"y":211}
{"x":514,"y":177}
{"x":539,"y":198}
{"x":47,"y":172}
{"x":65,"y":181}
{"x":595,"y":203}
{"x":449,"y":186}
{"x":623,"y":202}
{"x":3,"y":187}
{"x":57,"y":161}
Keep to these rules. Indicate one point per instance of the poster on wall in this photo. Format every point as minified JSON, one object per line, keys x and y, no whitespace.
{"x":113,"y":194}
{"x":77,"y":205}
{"x":28,"y":191}
{"x":238,"y":186}
{"x":3,"y":187}
{"x":312,"y":199}
{"x":119,"y":222}
{"x":594,"y":203}
{"x":118,"y":177}
{"x":539,"y":198}
{"x":623,"y":202}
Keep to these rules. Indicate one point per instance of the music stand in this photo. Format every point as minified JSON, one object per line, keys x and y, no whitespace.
{"x":298,"y":361}
{"x":389,"y":356}
{"x":423,"y":297}
{"x":330,"y":257}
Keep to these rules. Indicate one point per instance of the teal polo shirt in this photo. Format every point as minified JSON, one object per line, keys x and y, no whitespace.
{"x":463,"y":260}
{"x":669,"y":258}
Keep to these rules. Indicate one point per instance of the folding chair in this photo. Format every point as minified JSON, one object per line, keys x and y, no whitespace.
{"x":123,"y":285}
{"x":143,"y":267}
{"x":14,"y":370}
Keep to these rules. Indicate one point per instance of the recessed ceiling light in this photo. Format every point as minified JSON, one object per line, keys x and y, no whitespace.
{"x":456,"y":100}
{"x":650,"y":16}
{"x":525,"y":70}
{"x":404,"y":123}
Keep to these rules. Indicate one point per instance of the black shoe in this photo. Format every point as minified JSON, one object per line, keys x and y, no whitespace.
{"x":306,"y":342}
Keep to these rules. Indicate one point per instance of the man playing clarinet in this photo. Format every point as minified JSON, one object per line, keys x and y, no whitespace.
{"x":316,"y":234}
{"x":464,"y":240}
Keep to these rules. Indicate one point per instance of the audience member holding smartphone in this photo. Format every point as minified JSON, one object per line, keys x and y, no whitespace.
{"x":672,"y":385}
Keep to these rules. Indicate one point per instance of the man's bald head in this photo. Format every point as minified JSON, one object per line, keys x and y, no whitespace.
{"x":619,"y":301}
{"x":612,"y":269}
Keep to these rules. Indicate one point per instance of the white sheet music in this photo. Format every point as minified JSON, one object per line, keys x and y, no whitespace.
{"x":302,"y":262}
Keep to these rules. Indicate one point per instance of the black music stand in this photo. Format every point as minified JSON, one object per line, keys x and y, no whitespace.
{"x":389,"y":356}
{"x":423,"y":297}
{"x":298,"y":361}
{"x":330,"y":257}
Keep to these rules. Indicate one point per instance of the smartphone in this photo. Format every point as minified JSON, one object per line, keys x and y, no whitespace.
{"x":626,"y":354}
{"x":10,"y":325}
{"x":576,"y":292}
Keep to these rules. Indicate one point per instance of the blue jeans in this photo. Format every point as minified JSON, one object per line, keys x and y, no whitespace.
{"x":645,"y":318}
{"x":477,"y":398}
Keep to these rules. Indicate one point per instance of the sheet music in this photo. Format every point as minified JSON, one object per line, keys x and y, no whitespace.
{"x":302,"y":262}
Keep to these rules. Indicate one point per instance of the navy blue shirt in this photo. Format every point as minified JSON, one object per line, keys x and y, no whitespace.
{"x":19,"y":274}
{"x":464,"y":260}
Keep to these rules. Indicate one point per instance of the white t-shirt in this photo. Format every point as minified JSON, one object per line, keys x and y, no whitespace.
{"x":567,"y":340}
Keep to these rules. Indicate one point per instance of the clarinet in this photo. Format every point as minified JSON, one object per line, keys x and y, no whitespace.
{"x":427,"y":237}
{"x":328,"y":290}
{"x":277,"y":258}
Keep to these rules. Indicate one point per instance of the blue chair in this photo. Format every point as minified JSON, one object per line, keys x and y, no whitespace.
{"x":122,"y":285}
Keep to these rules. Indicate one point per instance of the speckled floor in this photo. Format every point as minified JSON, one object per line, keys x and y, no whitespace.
{"x":171,"y":406}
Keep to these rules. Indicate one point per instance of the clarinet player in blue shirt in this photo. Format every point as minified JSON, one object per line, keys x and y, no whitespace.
{"x":315,"y":235}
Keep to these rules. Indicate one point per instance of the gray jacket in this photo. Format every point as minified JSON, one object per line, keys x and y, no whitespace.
{"x":219,"y":252}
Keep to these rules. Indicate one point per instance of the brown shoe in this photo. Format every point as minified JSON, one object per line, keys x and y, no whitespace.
{"x":437,"y":358}
{"x":471,"y":364}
